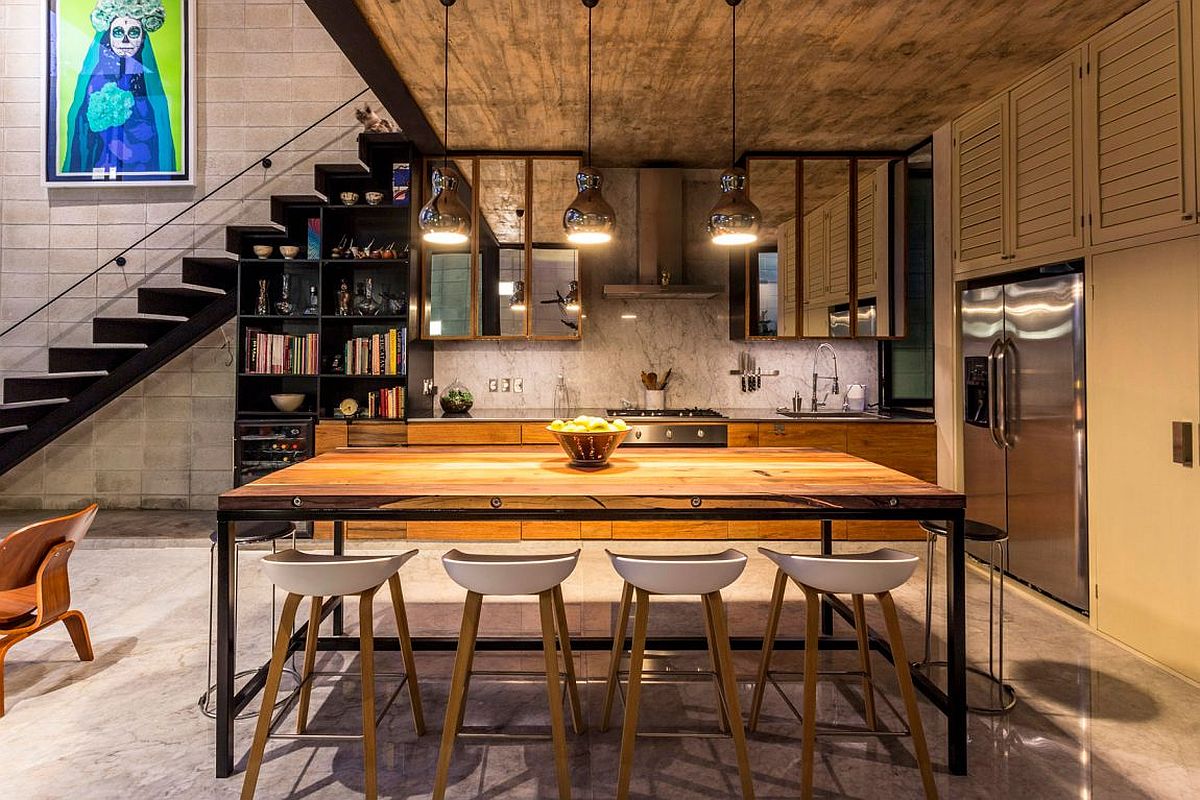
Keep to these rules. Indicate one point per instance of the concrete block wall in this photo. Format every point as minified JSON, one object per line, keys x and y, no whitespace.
{"x":265,"y":71}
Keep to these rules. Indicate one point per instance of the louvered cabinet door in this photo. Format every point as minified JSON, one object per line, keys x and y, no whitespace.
{"x":838,"y":216}
{"x":815,"y":258}
{"x":1139,"y":136}
{"x":1047,"y":155}
{"x":979,"y":177}
{"x":788,"y":314}
{"x":867,"y":271}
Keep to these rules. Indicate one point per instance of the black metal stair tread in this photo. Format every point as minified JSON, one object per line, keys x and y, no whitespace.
{"x":46,"y":387}
{"x":56,"y":401}
{"x":217,"y":273}
{"x":54,"y":376}
{"x":184,"y":291}
{"x":11,"y":429}
{"x":130,"y":329}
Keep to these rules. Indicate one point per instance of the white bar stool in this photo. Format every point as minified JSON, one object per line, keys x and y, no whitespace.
{"x":855,"y":574}
{"x":512,"y":575}
{"x":704,"y":574}
{"x":322,"y":576}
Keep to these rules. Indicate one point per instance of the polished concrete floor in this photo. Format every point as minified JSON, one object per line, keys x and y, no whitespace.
{"x":1094,"y":720}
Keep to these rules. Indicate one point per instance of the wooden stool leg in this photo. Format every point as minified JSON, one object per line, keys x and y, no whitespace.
{"x":729,"y":682}
{"x":558,"y":727}
{"x":270,"y":692}
{"x":714,"y":660}
{"x":366,"y":657}
{"x":864,"y":661}
{"x":406,"y":652}
{"x":633,"y":693}
{"x":904,"y":679}
{"x":310,"y":662}
{"x":764,"y":664}
{"x":454,"y":704}
{"x":812,"y":643}
{"x":76,"y":626}
{"x":614,"y":665}
{"x":564,"y":641}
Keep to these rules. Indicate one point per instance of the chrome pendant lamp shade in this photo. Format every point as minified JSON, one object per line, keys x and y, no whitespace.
{"x":734,"y":220}
{"x":445,"y":219}
{"x":589,"y":219}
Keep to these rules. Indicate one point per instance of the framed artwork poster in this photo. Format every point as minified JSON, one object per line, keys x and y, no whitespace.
{"x":119,"y":93}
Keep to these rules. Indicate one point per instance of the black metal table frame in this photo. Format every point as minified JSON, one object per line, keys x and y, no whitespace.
{"x":952,"y":701}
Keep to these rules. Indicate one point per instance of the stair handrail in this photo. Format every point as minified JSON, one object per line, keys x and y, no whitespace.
{"x":119,"y":259}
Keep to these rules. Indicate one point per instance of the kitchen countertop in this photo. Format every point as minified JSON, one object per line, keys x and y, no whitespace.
{"x":731,"y":415}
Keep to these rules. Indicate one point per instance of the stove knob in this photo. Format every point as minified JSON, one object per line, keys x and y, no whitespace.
{"x":637,"y":434}
{"x":700,"y":433}
{"x":670,"y":434}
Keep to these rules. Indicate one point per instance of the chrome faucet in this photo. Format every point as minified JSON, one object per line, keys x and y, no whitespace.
{"x":817,"y":378}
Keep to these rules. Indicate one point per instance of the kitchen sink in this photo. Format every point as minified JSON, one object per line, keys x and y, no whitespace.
{"x":831,"y":414}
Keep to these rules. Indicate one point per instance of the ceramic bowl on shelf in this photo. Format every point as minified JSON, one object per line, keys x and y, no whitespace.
{"x":287,"y":402}
{"x":374,"y":198}
{"x":349,"y":198}
{"x":289,"y":251}
{"x":589,"y":448}
{"x":263,"y":250}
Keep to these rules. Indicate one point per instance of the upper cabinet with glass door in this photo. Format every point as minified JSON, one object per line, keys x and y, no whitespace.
{"x":517,"y":277}
{"x":771,"y":270}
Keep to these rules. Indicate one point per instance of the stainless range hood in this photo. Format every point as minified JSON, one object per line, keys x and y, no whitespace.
{"x":660,"y":243}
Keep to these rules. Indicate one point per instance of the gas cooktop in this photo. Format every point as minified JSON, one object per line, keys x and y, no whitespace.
{"x":665,"y":412}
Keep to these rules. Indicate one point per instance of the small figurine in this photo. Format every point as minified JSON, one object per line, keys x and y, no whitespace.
{"x":395,"y":305}
{"x":263,"y":307}
{"x":372,"y":122}
{"x":284,"y":307}
{"x":312,"y":308}
{"x":343,"y":296}
{"x":365,"y":304}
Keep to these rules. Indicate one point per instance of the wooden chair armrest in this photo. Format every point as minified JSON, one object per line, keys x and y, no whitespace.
{"x":53,"y":585}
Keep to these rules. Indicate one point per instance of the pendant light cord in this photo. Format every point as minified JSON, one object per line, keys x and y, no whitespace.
{"x":733,"y":90}
{"x":446,"y":90}
{"x":589,"y":96}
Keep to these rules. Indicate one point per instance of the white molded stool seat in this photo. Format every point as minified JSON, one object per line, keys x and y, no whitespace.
{"x":508,"y":574}
{"x":325,"y":575}
{"x":847,"y":573}
{"x":700,"y":573}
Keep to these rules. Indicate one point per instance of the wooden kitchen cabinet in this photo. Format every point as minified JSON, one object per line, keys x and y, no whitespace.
{"x":1140,"y":131}
{"x":978,"y":179}
{"x":377,"y":433}
{"x":823,"y":435}
{"x":536,"y":433}
{"x":911,"y":449}
{"x":466,"y":432}
{"x":330,"y":435}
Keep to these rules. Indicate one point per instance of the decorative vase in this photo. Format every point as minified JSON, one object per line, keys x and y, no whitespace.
{"x":456,"y":399}
{"x":284,"y":307}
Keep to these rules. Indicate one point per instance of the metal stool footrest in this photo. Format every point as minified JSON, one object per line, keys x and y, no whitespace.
{"x":1000,"y":705}
{"x":654,"y":677}
{"x":482,"y":732}
{"x":205,"y":703}
{"x":839,"y":730}
{"x":287,"y":703}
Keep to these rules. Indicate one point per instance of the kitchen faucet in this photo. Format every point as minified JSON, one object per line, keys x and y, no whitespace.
{"x":816,"y":378}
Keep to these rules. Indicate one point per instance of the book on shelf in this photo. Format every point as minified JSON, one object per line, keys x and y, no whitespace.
{"x":378,"y":354}
{"x":281,"y":353}
{"x":386,"y":403}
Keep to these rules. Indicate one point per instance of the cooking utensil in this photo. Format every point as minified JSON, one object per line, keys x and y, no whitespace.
{"x":665,"y":380}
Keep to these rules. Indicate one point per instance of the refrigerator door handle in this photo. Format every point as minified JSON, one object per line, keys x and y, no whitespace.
{"x":1002,"y":393}
{"x":994,"y":409}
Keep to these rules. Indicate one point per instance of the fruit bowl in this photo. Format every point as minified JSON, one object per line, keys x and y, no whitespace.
{"x":586,"y":442}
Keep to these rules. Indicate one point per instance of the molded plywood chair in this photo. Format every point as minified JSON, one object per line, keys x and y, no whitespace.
{"x":35,"y":592}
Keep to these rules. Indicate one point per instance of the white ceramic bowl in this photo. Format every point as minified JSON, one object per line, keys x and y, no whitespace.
{"x":263,"y":250}
{"x":349,"y":198}
{"x":289,"y":250}
{"x":374,"y":198}
{"x":287,"y":402}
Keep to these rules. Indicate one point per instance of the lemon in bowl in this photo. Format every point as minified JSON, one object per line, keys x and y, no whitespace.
{"x":588,"y":441}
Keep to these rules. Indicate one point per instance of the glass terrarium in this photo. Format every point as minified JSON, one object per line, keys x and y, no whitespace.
{"x":456,"y":398}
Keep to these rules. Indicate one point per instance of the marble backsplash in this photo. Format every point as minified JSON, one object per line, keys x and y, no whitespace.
{"x":621,"y":338}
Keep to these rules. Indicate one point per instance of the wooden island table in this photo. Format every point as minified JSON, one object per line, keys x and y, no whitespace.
{"x":535,"y":483}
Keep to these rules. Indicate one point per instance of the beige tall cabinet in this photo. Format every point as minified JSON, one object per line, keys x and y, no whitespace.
{"x":1143,"y":361}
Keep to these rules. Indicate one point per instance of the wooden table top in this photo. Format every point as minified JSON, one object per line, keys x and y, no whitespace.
{"x":539,"y":478}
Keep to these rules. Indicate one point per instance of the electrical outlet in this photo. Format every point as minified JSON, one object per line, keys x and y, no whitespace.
{"x":518,"y":385}
{"x":493,"y":384}
{"x":505,"y":384}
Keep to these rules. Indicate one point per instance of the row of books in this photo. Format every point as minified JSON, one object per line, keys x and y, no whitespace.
{"x":378,"y":354}
{"x":281,"y":353}
{"x":386,"y":403}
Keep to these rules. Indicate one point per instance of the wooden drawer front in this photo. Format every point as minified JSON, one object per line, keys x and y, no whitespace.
{"x":363,"y":530}
{"x":550,"y":530}
{"x":825,"y":435}
{"x":783,"y":529}
{"x":911,"y":449}
{"x":536,"y":433}
{"x":330,"y":436}
{"x":377,"y":434}
{"x":465,"y":433}
{"x":464,"y":531}
{"x":884,"y":530}
{"x":743,"y":434}
{"x":700,"y":529}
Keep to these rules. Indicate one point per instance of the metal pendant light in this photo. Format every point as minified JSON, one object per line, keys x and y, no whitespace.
{"x":445,"y":218}
{"x":589,"y":219}
{"x":734,"y":220}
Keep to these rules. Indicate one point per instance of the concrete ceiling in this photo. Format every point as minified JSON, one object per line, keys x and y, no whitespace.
{"x":812,"y":74}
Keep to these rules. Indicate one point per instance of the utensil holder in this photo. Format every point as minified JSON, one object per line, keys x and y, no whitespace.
{"x":655,"y":399}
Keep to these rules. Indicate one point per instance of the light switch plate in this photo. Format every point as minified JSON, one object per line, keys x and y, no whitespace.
{"x":505,"y":384}
{"x":493,"y":384}
{"x":518,"y":385}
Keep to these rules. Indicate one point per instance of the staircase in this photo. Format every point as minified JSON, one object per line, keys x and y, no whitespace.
{"x":39,"y":408}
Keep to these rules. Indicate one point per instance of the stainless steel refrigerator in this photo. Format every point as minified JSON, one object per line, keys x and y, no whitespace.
{"x":1024,"y":433}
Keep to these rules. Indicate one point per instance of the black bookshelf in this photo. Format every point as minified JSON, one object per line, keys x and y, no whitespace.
{"x":317,"y":229}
